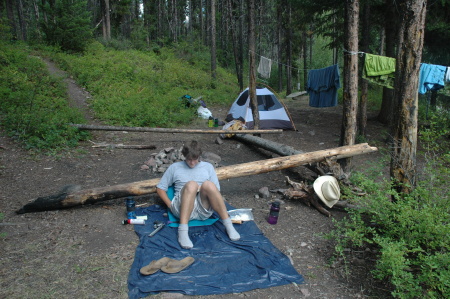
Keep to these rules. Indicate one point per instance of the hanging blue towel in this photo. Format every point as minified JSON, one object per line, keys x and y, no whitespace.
{"x":431,"y":77}
{"x":322,"y":86}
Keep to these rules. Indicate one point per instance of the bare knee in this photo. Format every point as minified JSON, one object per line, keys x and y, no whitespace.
{"x":191,"y":187}
{"x":209,"y":186}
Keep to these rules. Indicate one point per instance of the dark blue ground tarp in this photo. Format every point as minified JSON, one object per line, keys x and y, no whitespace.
{"x":221,"y":266}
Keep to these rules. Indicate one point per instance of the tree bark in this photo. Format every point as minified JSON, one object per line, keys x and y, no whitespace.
{"x":67,"y":199}
{"x":386,"y":114}
{"x":213,"y":39}
{"x":280,"y":149}
{"x":280,"y":46}
{"x":234,"y":38}
{"x":166,"y":130}
{"x":349,"y":120}
{"x":410,"y":45}
{"x":362,"y":115}
{"x":108,"y":21}
{"x":252,"y":63}
{"x":288,"y":50}
{"x":11,"y":19}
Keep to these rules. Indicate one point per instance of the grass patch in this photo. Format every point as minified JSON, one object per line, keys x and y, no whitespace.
{"x":34,"y":108}
{"x":142,"y":88}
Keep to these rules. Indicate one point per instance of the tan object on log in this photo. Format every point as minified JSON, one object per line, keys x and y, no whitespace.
{"x":168,"y":130}
{"x":88,"y":196}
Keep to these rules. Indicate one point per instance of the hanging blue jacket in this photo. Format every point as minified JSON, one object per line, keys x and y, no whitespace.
{"x":431,"y":77}
{"x":322,"y":86}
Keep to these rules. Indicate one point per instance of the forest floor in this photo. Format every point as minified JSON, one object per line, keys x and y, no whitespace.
{"x":85,"y":252}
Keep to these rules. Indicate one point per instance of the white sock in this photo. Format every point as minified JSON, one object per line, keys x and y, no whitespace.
{"x":231,"y":231}
{"x":183,"y":236}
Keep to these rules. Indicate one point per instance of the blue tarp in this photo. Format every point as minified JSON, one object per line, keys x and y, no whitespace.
{"x":221,"y":266}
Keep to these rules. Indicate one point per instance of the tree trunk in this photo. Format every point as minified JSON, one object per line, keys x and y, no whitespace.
{"x":280,"y":46}
{"x":305,"y":59}
{"x":234,"y":38}
{"x":362,"y":115}
{"x":410,"y":45}
{"x":108,"y":20}
{"x":252,"y":63}
{"x":67,"y":199}
{"x":348,"y":131}
{"x":213,"y":39}
{"x":22,"y":23}
{"x":288,"y":51}
{"x":11,"y":19}
{"x":386,"y":114}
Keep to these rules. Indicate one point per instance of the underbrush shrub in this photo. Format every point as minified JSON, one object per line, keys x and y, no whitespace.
{"x":34,"y":108}
{"x":141,"y":88}
{"x":410,"y":233}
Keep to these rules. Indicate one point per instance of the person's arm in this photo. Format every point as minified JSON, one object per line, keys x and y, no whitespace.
{"x":163,"y":195}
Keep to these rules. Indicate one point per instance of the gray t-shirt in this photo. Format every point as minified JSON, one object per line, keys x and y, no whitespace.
{"x":179,"y":173}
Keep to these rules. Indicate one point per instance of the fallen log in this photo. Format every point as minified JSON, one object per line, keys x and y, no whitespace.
{"x":169,"y":130}
{"x":124,"y":146}
{"x":69,"y":199}
{"x":280,"y":149}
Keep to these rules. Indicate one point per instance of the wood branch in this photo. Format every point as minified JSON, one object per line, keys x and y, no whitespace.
{"x":280,"y":149}
{"x":88,"y":196}
{"x":169,"y":130}
{"x":124,"y":146}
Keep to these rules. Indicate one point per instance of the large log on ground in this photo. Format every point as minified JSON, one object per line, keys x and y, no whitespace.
{"x":169,"y":130}
{"x":280,"y":149}
{"x":70,"y":199}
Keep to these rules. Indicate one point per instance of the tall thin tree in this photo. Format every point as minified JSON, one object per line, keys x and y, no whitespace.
{"x":252,"y":63}
{"x":409,"y":56}
{"x":213,"y":39}
{"x":348,"y":131}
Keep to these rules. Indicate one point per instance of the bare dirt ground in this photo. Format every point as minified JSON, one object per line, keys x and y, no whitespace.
{"x":86,"y":252}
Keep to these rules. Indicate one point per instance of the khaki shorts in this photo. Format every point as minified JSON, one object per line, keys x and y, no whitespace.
{"x":198,"y":213}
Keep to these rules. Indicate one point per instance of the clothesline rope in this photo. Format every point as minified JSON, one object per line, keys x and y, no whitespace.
{"x":360,"y":53}
{"x":275,"y":61}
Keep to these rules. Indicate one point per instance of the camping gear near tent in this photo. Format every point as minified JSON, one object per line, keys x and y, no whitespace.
{"x":272,"y":113}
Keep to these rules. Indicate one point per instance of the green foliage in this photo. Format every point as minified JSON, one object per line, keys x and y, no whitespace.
{"x":67,"y":24}
{"x":34,"y":107}
{"x":410,"y":233}
{"x":137,"y":88}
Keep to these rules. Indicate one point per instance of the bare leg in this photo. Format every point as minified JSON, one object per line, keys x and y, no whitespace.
{"x":188,"y":195}
{"x":211,"y":197}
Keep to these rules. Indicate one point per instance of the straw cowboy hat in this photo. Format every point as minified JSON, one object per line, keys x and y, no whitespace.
{"x":327,"y":188}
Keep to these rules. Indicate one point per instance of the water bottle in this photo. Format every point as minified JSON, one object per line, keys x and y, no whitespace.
{"x":216,"y":122}
{"x":131,"y":208}
{"x":274,"y":212}
{"x":210,"y":122}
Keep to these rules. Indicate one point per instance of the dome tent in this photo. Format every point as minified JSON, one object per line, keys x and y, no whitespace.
{"x":272,"y":113}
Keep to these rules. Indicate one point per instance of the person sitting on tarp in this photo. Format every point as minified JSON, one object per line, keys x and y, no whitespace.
{"x":197,"y":193}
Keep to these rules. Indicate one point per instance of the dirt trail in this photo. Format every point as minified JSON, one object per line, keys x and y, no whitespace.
{"x":86,"y":252}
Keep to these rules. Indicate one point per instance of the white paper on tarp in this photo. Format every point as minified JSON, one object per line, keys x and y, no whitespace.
{"x":241,"y":214}
{"x":204,"y":112}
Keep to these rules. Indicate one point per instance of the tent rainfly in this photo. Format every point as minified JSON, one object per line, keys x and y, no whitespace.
{"x":272,"y":113}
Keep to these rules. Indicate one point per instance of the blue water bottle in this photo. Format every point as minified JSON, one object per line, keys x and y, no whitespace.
{"x":131,"y":208}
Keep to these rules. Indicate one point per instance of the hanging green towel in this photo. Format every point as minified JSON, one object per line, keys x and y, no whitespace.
{"x":379,"y":70}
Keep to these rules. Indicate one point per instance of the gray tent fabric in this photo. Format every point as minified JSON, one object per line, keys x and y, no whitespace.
{"x":272,"y":114}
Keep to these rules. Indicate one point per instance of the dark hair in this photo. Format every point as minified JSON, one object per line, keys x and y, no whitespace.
{"x":192,"y":150}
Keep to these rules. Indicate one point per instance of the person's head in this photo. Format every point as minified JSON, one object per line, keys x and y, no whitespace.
{"x":192,"y":153}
